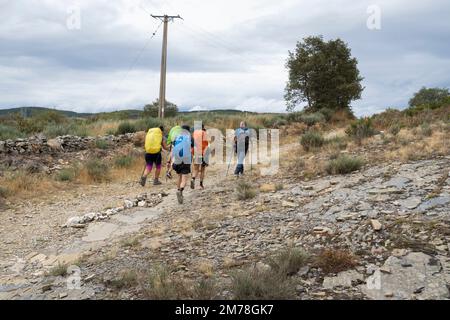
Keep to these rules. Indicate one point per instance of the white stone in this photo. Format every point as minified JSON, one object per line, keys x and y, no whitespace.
{"x":142,"y":204}
{"x":74,"y":220}
{"x":376,"y":225}
{"x":343,"y":279}
{"x":128,"y":204}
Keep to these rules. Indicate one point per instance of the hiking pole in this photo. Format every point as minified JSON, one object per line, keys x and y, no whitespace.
{"x":143,"y":170}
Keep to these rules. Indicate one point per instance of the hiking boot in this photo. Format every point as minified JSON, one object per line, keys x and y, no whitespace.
{"x":156,"y":182}
{"x":180,"y":197}
{"x":143,"y":181}
{"x":192,"y":184}
{"x":201,"y":185}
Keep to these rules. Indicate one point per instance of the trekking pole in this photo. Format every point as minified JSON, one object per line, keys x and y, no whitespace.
{"x":143,"y":170}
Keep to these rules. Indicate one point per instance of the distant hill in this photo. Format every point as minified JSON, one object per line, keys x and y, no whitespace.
{"x":119,"y":115}
{"x":33,"y":111}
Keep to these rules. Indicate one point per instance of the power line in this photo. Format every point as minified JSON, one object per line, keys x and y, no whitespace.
{"x":133,"y":64}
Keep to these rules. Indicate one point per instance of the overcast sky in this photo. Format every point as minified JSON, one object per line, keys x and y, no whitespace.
{"x":224,"y":54}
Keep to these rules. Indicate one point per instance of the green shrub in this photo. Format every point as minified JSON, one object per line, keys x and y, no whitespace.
{"x":127,"y":279}
{"x":255,"y":284}
{"x":4,"y":192}
{"x":101,"y":144}
{"x":337,"y":142}
{"x":327,"y":113}
{"x":426,"y":130}
{"x":126,"y":127}
{"x":80,"y":130}
{"x":67,"y":174}
{"x":311,"y":119}
{"x":289,"y":261}
{"x":160,"y":286}
{"x":8,"y":132}
{"x":361,"y":129}
{"x":344,"y":164}
{"x":59,"y":270}
{"x":295,"y":116}
{"x":147,"y":123}
{"x":245,"y":191}
{"x":312,"y":140}
{"x":97,"y":170}
{"x":395,"y":129}
{"x":56,"y":130}
{"x":274,"y":121}
{"x":123,"y":161}
{"x":111,"y":132}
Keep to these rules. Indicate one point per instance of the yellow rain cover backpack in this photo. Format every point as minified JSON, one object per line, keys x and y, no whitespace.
{"x":153,"y":141}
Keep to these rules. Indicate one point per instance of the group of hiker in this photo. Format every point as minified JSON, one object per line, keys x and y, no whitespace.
{"x":189,"y":154}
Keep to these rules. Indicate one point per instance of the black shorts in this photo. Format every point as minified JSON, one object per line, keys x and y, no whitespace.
{"x":182,"y":168}
{"x":153,"y":158}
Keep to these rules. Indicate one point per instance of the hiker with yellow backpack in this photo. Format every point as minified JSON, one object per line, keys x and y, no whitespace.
{"x":154,"y":143}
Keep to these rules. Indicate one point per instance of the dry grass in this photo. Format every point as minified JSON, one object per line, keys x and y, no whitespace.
{"x":245,"y":191}
{"x":24,"y":185}
{"x":289,"y":261}
{"x":101,"y":128}
{"x":126,"y":279}
{"x":255,"y":284}
{"x":161,"y":284}
{"x":335,"y":260}
{"x":59,"y":270}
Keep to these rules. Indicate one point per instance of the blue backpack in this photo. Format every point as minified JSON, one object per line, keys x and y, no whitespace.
{"x":182,"y":149}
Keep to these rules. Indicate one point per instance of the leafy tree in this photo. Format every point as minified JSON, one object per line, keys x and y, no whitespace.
{"x":322,"y":74}
{"x":151,"y":110}
{"x":429,"y":96}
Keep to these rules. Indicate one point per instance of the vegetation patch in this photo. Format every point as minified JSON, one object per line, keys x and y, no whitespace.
{"x":312,"y":140}
{"x":245,"y":191}
{"x":123,"y":161}
{"x":97,"y":170}
{"x":344,"y":164}
{"x":256,"y":284}
{"x":289,"y":261}
{"x":335,"y":260}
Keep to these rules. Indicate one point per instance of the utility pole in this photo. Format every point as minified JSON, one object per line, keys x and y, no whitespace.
{"x":162,"y":89}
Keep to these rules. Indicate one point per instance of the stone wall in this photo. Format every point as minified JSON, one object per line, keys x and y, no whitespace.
{"x":40,"y":145}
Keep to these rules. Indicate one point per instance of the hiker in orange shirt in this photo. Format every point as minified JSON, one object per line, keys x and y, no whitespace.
{"x":200,"y":155}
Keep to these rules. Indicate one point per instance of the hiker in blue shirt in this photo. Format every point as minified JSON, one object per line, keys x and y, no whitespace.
{"x":241,"y":144}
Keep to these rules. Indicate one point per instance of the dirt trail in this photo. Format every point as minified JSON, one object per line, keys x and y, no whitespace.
{"x":212,"y":231}
{"x":35,"y":241}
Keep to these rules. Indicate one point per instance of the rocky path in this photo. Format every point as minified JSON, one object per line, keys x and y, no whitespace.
{"x":394,"y":217}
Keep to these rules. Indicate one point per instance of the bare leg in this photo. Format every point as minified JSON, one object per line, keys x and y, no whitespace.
{"x":183,"y":179}
{"x":147,"y":171}
{"x":179,"y":181}
{"x":157,"y":172}
{"x":195,"y":170}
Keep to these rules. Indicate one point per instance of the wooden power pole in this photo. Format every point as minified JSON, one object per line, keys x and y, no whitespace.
{"x":162,"y":89}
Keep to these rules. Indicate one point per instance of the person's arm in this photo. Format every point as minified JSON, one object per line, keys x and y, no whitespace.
{"x":164,"y":145}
